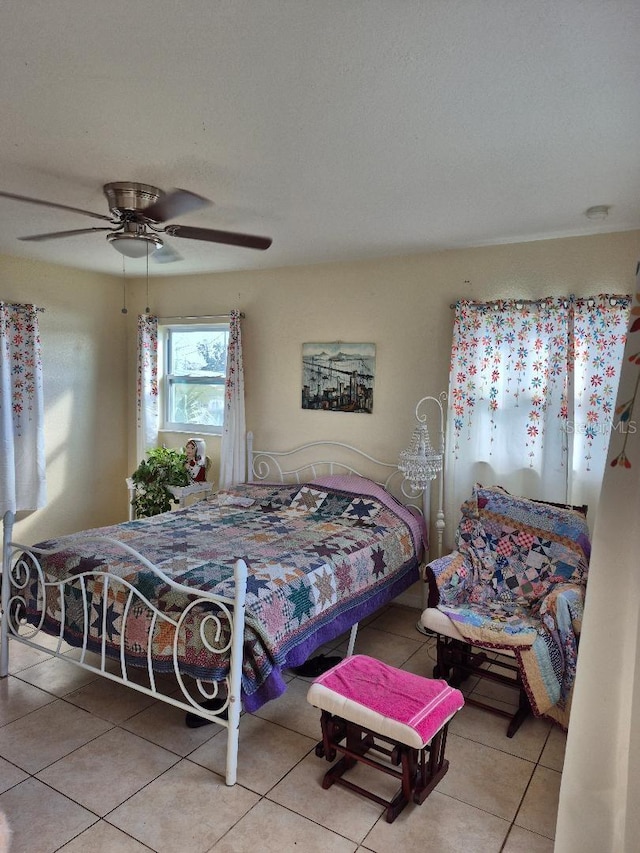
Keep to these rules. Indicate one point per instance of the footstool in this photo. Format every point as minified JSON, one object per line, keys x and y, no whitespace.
{"x":376,"y":708}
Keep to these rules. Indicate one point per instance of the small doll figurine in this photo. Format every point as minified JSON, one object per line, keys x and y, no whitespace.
{"x":196,"y":460}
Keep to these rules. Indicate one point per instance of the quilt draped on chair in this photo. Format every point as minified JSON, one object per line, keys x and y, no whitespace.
{"x":147,"y":389}
{"x":22,"y":457}
{"x":517,"y":580}
{"x":233,"y":456}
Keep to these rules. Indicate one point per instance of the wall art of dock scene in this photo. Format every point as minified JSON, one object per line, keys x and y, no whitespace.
{"x":338,"y":377}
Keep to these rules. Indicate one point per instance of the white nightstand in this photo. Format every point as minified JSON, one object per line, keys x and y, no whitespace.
{"x":180,"y":493}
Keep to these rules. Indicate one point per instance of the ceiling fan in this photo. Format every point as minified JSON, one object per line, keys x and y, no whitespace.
{"x":136,"y":214}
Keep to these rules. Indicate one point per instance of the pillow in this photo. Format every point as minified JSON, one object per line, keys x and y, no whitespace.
{"x":349,"y":483}
{"x":559,"y":520}
{"x":354,"y":484}
{"x":519,"y":547}
{"x":583,"y":509}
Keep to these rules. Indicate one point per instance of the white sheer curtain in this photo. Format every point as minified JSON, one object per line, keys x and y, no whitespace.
{"x":531,"y":393}
{"x":233,"y":456}
{"x":22,"y":457}
{"x":598,"y":808}
{"x":147,"y":390}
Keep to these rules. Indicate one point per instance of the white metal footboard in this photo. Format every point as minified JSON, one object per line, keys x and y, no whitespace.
{"x":22,"y":568}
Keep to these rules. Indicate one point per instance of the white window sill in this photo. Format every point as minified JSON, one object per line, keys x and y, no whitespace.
{"x":194,"y":431}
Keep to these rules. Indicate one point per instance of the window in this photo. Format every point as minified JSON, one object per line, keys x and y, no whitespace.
{"x":192,"y":386}
{"x":532,"y":391}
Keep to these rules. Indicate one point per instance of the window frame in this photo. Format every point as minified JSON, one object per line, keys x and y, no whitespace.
{"x":167,"y":379}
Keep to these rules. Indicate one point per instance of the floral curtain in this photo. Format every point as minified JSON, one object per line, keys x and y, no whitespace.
{"x":147,"y":390}
{"x":233,"y":457}
{"x":531,"y":395}
{"x":22,"y":457}
{"x":598,"y":804}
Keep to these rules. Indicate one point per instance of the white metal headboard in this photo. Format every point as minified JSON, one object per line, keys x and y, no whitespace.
{"x":318,"y":458}
{"x":291,"y":465}
{"x":321,"y":458}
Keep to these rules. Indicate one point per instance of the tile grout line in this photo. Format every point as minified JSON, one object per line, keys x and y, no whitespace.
{"x":424,"y":645}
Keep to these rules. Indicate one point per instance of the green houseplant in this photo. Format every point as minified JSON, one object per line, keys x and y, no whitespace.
{"x":162,"y":468}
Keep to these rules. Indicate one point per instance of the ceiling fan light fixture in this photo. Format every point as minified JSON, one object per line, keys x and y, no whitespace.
{"x":135,"y":245}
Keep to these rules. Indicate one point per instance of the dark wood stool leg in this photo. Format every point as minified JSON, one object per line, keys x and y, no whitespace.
{"x":433,"y":768}
{"x":358,"y":741}
{"x":421,"y":769}
{"x":333,"y":731}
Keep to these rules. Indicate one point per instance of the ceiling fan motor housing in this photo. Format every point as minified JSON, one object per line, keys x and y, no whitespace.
{"x":128,"y":197}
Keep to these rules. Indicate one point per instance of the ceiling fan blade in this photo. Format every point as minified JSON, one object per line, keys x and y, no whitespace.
{"x":174,"y":203}
{"x":54,"y":204}
{"x":210,"y":235}
{"x":166,"y":255}
{"x":54,"y":235}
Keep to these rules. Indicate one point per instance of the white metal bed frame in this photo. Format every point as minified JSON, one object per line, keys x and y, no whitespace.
{"x":266,"y":465}
{"x":21,"y":566}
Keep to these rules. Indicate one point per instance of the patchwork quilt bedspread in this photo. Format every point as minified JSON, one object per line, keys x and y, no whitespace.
{"x":319,"y":558}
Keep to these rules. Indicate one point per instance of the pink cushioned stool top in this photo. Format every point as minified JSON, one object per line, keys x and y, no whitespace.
{"x":423,"y":704}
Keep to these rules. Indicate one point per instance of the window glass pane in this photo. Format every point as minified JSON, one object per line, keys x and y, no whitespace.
{"x":198,"y":351}
{"x":196,"y":403}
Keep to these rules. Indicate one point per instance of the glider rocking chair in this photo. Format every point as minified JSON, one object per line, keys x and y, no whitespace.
{"x":507,"y":604}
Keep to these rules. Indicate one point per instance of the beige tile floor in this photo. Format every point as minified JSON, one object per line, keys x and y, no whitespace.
{"x":86,"y":765}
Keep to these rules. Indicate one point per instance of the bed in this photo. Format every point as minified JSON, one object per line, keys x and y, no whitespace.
{"x":205,"y":607}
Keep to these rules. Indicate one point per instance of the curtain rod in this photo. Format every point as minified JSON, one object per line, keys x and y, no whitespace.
{"x":496,"y":303}
{"x":202,"y":317}
{"x":614,"y":299}
{"x":22,"y":307}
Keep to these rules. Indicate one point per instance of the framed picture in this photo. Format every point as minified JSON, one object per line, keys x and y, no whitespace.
{"x":338,"y":377}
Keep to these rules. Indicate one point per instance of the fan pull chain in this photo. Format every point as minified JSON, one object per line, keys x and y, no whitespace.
{"x":147,"y":310}
{"x":124,"y":289}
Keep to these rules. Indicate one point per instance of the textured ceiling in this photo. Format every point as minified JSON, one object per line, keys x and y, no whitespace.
{"x":343,"y":129}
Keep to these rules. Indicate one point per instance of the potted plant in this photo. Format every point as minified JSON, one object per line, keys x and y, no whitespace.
{"x":162,"y":468}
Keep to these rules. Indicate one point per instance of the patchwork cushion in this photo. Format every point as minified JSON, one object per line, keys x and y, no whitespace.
{"x":518,"y":548}
{"x":494,"y":624}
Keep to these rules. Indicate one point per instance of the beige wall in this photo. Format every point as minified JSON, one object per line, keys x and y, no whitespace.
{"x":400,"y":304}
{"x":84,"y":377}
